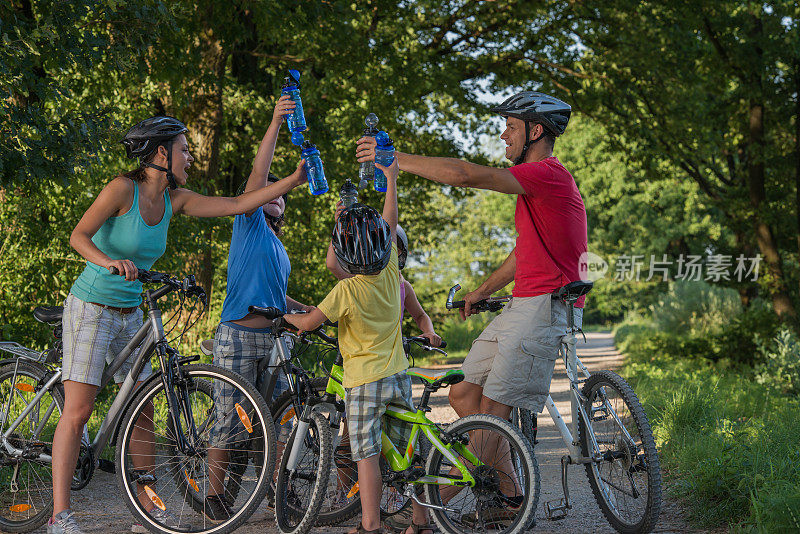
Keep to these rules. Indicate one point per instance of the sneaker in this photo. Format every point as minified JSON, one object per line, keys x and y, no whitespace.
{"x":63,"y":523}
{"x":217,"y":508}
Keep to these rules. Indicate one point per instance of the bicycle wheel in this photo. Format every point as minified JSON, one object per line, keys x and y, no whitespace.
{"x":156,"y":476}
{"x":300,"y":492}
{"x":342,"y":501}
{"x":501,"y":500}
{"x":627,"y":481}
{"x":26,"y":485}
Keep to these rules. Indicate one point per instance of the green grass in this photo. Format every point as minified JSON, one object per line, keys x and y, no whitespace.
{"x":730,"y":447}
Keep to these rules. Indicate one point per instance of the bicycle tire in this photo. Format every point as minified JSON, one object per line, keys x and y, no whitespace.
{"x":20,"y":521}
{"x":645,"y":457}
{"x":260,"y":422}
{"x":521,"y":519}
{"x":332,"y":516}
{"x":300,"y":519}
{"x":192,"y":497}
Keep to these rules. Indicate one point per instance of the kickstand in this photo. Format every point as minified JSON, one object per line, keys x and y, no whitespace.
{"x":557,"y":509}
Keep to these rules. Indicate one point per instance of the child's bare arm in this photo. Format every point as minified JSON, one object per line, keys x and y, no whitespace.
{"x":390,"y":202}
{"x":305,"y":322}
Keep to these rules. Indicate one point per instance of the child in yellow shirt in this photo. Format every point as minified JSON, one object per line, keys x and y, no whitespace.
{"x":367,"y":307}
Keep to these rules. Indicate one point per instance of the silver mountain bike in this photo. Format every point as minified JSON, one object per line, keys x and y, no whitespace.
{"x":609,"y":433}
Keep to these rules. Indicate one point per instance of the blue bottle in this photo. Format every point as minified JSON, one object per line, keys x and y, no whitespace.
{"x":297,"y":120}
{"x":366,"y":171}
{"x":316,"y":175}
{"x":384,"y":154}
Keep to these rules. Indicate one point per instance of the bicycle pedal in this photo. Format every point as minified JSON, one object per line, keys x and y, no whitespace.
{"x":557,"y":512}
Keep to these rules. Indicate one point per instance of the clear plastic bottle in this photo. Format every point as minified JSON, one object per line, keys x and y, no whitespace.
{"x":348,"y":194}
{"x":297,"y":120}
{"x":366,"y":171}
{"x":384,"y":154}
{"x":316,"y":174}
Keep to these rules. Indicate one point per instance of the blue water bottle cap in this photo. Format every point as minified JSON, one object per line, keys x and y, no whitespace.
{"x":383,"y":139}
{"x":292,"y":80}
{"x":297,"y":138}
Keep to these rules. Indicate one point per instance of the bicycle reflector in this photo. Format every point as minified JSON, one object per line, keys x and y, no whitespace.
{"x":154,"y":498}
{"x":352,"y":491}
{"x":245,"y":418}
{"x":18,"y":508}
{"x":288,"y":416}
{"x":191,"y":481}
{"x":27,"y":388}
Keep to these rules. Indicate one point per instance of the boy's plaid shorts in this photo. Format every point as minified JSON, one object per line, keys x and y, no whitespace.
{"x":366,"y":406}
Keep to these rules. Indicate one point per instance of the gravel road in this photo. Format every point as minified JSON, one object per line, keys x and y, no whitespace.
{"x":100,"y":510}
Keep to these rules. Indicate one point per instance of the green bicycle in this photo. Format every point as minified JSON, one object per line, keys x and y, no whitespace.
{"x":479,"y":476}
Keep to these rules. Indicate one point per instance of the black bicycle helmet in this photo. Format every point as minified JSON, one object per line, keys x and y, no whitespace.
{"x":362,"y":240}
{"x":144,"y":138}
{"x":402,"y":247}
{"x":539,"y":108}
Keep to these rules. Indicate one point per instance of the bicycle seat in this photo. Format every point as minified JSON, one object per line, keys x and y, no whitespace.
{"x":48,"y":314}
{"x":437,"y":377}
{"x":573,"y":291}
{"x":207,"y":347}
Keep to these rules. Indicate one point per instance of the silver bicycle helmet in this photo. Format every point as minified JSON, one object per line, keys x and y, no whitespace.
{"x":362,"y":241}
{"x":538,"y":108}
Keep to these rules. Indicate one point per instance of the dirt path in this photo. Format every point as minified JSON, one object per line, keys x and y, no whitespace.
{"x":100,"y":509}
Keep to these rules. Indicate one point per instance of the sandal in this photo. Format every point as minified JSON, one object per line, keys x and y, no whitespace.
{"x":362,"y":530}
{"x":419,"y":529}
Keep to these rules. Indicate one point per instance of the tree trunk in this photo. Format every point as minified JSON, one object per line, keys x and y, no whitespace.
{"x":764,"y":236}
{"x":797,"y":147}
{"x":205,"y":129}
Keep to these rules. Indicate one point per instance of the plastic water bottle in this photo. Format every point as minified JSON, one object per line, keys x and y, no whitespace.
{"x":366,"y":171}
{"x":316,"y":174}
{"x":384,"y":154}
{"x":348,"y":194}
{"x":297,"y":120}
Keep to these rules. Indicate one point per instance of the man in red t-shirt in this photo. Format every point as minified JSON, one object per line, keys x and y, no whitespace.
{"x":511,"y":362}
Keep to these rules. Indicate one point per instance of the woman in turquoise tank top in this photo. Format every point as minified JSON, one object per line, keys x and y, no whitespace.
{"x":126,"y":228}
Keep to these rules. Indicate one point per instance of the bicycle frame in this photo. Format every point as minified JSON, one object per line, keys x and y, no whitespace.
{"x":569,"y":434}
{"x":144,"y":336}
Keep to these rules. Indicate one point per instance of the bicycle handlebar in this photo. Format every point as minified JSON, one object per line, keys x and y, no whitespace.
{"x":490,"y":304}
{"x":188,"y":285}
{"x":424,"y":343}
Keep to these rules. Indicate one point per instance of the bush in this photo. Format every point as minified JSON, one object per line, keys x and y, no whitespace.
{"x":697,"y":320}
{"x":728,"y":444}
{"x":780,"y":369}
{"x":695,"y":308}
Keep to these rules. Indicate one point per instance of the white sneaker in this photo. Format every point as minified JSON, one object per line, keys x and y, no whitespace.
{"x":64,"y":524}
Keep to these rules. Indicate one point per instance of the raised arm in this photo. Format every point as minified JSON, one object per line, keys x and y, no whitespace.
{"x":197,"y":205}
{"x":390,"y":202}
{"x":266,"y":150}
{"x":449,"y":171}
